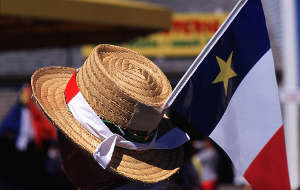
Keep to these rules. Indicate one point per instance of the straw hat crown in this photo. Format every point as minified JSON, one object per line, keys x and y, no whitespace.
{"x":114,"y":80}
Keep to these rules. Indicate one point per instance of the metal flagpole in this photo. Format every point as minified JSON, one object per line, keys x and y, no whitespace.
{"x":203,"y":53}
{"x":290,"y":88}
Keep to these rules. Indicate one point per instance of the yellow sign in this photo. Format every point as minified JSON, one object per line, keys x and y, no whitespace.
{"x":186,"y":38}
{"x":188,"y":35}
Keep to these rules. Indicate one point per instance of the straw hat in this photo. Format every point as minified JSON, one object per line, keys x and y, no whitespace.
{"x":113,"y":80}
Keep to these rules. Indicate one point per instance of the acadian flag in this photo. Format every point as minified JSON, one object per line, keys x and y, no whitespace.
{"x":230,"y":94}
{"x":27,"y":122}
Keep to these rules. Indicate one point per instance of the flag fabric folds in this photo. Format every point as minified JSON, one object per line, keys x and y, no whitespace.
{"x":232,"y":97}
{"x":27,"y":122}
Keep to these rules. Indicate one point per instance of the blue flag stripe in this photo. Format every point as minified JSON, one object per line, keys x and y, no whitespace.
{"x":11,"y":122}
{"x":203,"y":103}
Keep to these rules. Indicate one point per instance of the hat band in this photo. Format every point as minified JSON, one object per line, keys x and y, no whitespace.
{"x":86,"y":116}
{"x":128,"y":134}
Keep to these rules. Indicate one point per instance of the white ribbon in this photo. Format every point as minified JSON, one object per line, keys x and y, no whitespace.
{"x":86,"y":116}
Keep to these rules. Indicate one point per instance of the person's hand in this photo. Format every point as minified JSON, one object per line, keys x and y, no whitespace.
{"x":82,"y":170}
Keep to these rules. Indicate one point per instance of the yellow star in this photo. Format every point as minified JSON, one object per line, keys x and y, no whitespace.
{"x":226,"y":72}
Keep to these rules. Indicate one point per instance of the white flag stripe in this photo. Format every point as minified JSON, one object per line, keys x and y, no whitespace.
{"x":26,"y":130}
{"x":250,"y":124}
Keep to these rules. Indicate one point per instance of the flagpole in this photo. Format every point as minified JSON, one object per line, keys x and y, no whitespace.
{"x":290,"y":87}
{"x":204,"y":53}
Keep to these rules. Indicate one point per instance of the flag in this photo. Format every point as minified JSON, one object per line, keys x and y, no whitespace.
{"x":11,"y":122}
{"x":43,"y":129}
{"x":27,"y":122}
{"x":230,"y":94}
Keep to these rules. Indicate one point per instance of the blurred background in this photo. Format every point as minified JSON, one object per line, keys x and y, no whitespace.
{"x":36,"y":33}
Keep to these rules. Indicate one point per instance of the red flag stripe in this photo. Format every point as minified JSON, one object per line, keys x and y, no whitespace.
{"x":269,"y":170}
{"x":71,"y":88}
{"x":43,"y":129}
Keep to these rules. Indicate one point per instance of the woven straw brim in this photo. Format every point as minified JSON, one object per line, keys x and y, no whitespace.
{"x":147,"y":166}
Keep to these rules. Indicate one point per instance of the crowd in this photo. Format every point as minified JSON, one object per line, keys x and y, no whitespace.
{"x":205,"y":168}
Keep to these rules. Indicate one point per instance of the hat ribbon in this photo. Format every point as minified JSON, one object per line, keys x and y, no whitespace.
{"x":86,"y":116}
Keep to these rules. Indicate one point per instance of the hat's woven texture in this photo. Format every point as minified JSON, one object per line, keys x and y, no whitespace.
{"x":112,"y":80}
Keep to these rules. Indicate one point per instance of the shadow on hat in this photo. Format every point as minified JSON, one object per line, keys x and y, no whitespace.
{"x":110,"y":109}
